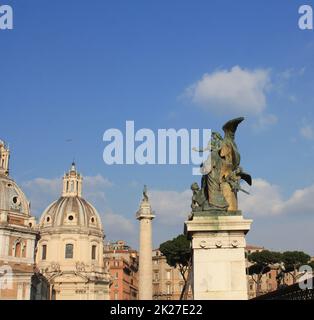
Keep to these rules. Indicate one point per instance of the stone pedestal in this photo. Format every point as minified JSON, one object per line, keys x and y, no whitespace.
{"x":219,"y":266}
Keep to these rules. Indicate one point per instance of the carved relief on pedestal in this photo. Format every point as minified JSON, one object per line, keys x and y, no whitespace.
{"x":235,"y":243}
{"x":216,"y":242}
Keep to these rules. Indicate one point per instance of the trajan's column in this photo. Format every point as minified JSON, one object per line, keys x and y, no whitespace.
{"x":145,"y":216}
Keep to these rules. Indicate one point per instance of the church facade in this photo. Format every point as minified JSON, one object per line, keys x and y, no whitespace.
{"x":61,"y":257}
{"x":70,"y":249}
{"x":18,"y":237}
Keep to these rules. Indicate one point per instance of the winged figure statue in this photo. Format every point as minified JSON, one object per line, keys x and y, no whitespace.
{"x":221,"y":179}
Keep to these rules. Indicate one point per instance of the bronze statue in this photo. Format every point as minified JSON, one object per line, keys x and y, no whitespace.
{"x":221,"y":175}
{"x":145,"y":196}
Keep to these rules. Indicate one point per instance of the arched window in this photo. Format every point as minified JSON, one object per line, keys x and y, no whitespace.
{"x":17,"y":251}
{"x":94,"y":248}
{"x":69,"y":251}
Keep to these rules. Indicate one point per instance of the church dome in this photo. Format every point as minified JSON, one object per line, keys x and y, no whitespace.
{"x":71,"y":212}
{"x":70,"y":248}
{"x":12,"y":198}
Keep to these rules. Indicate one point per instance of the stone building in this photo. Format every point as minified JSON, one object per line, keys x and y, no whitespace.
{"x":70,"y":249}
{"x":122,"y":262}
{"x":167,"y":281}
{"x":18,"y":237}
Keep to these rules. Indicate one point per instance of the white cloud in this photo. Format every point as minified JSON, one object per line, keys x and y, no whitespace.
{"x":291,"y":73}
{"x":171,"y":207}
{"x":118,"y":227}
{"x":264,"y":121}
{"x":283,"y":234}
{"x":94,"y":188}
{"x":266,"y":199}
{"x":301,"y":202}
{"x":41,"y":192}
{"x":286,"y":74}
{"x":96,"y":182}
{"x":263,"y":198}
{"x":307,"y":132}
{"x":265,"y":204}
{"x":283,"y":83}
{"x":235,"y":91}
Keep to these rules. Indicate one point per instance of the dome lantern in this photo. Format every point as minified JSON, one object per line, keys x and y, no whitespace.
{"x":72,"y":183}
{"x":4,"y":158}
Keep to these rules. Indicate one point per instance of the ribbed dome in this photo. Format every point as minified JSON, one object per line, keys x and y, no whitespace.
{"x":12,"y":198}
{"x":71,"y":212}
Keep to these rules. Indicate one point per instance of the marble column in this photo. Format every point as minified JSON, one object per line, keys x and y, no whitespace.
{"x":145,"y":217}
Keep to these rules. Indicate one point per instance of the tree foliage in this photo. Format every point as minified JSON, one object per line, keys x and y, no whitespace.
{"x":177,"y":251}
{"x":294,"y":259}
{"x":265,"y":257}
{"x":261,"y":264}
{"x":178,"y":255}
{"x":311,"y":264}
{"x":258,"y":269}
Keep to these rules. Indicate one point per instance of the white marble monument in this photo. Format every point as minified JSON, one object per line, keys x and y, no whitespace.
{"x":219,"y":268}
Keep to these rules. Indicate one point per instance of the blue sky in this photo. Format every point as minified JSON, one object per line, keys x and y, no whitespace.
{"x":72,"y":69}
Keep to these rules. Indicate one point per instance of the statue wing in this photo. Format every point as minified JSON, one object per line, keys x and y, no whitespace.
{"x":231,"y":126}
{"x":246,"y":177}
